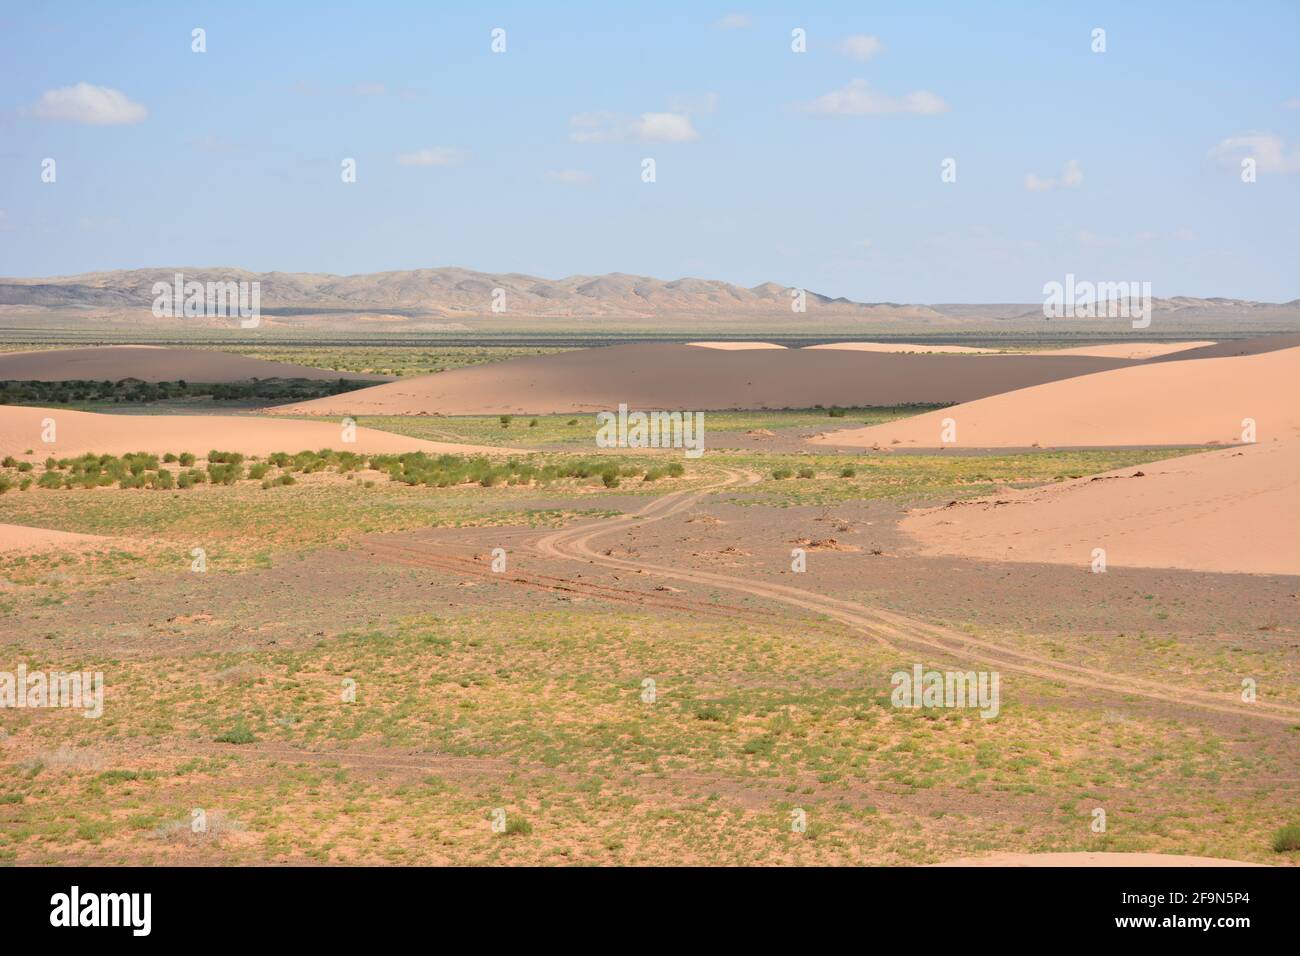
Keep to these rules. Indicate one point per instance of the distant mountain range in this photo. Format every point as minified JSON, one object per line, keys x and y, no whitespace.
{"x":447,"y":296}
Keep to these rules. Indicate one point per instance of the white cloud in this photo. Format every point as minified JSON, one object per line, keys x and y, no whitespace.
{"x":735,"y":21}
{"x":665,"y":128}
{"x":1291,"y":104}
{"x":861,"y":46}
{"x":702,"y":103}
{"x":1070,"y":178}
{"x":86,"y":103}
{"x":433,"y":156}
{"x":1185,"y":235}
{"x":1268,"y":150}
{"x":370,"y":89}
{"x":570,"y":177}
{"x":593,"y":128}
{"x":857,"y":99}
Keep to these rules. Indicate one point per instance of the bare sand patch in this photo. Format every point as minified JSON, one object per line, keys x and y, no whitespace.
{"x":76,"y":433}
{"x":1088,"y":858}
{"x":1233,"y":510}
{"x":152,"y":363}
{"x":1193,"y":402}
{"x":681,"y":377}
{"x":16,"y":537}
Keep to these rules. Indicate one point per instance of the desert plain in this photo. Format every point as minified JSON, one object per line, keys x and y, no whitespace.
{"x":406,"y":613}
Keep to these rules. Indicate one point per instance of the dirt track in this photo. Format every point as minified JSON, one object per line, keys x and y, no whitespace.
{"x":894,"y":631}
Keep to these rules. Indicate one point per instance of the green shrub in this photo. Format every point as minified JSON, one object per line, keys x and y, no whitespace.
{"x":186,"y":459}
{"x":807,"y":472}
{"x":848,"y":472}
{"x":239,"y":734}
{"x":518,"y":826}
{"x":780,"y":474}
{"x":610,"y":478}
{"x":1287,"y":839}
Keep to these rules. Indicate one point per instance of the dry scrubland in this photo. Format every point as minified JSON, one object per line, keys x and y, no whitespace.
{"x":523,"y":690}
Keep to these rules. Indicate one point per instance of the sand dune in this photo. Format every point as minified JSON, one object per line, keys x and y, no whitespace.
{"x":151,"y":363}
{"x":904,"y":347}
{"x":1192,"y":402}
{"x":17,"y":537}
{"x":1088,"y":858}
{"x":80,"y":432}
{"x":735,"y":346}
{"x":1232,"y":510}
{"x":679,"y":377}
{"x":1231,"y":347}
{"x":1130,"y":350}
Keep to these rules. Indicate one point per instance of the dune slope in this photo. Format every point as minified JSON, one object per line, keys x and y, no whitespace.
{"x":151,"y":363}
{"x":1191,"y":402}
{"x":1232,"y":510}
{"x":684,"y":377}
{"x":17,"y":537}
{"x":21,"y":428}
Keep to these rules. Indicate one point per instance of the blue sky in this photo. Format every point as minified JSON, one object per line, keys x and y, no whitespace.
{"x":817,"y":169}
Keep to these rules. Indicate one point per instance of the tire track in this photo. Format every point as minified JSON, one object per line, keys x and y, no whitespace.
{"x":894,"y":631}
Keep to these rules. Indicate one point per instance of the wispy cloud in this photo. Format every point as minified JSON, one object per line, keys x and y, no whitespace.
{"x":433,"y":156}
{"x":1267,"y":149}
{"x":570,"y":177}
{"x":861,"y":46}
{"x":596,"y":128}
{"x":858,"y":99}
{"x":87,"y":103}
{"x":735,"y":21}
{"x":1070,"y":178}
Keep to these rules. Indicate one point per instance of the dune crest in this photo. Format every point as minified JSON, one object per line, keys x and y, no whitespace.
{"x":735,"y":346}
{"x":1192,"y":402}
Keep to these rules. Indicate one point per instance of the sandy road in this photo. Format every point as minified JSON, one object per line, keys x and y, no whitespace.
{"x":897,"y":632}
